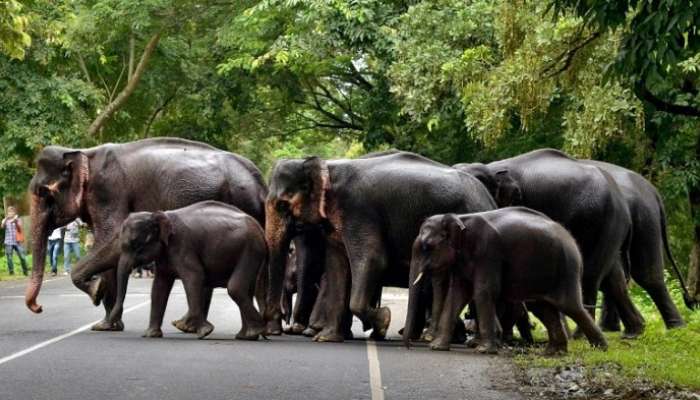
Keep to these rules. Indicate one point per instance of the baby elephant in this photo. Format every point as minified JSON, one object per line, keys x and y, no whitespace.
{"x":206,"y":245}
{"x":504,"y":256}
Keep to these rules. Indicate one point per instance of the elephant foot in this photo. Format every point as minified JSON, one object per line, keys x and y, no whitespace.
{"x":183,"y":325}
{"x":96,"y":289}
{"x":609,"y":327}
{"x":439,"y":345}
{"x":349,"y":335}
{"x":600,"y":344}
{"x":459,"y":336}
{"x":328,"y":335}
{"x":555,"y":350}
{"x":252,"y":333}
{"x":204,"y":330}
{"x":153,"y":333}
{"x":295,"y":329}
{"x":487,"y":348}
{"x":676,"y":323}
{"x":631,"y":335}
{"x":107,"y":326}
{"x":274,"y":327}
{"x":381,"y":323}
{"x":578,"y":334}
{"x":473,"y":343}
{"x":427,"y":336}
{"x":309,"y":332}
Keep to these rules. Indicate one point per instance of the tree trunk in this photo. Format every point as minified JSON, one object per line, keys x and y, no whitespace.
{"x":694,"y":266}
{"x":123,"y":96}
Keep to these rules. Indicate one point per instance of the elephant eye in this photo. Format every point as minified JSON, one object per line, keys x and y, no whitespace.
{"x":426,"y":247}
{"x":282,"y":207}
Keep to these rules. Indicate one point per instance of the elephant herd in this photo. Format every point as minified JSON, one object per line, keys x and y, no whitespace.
{"x":540,"y":232}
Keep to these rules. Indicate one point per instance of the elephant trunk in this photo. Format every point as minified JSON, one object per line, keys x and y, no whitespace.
{"x":309,"y":264}
{"x":41,"y":226}
{"x":126,"y":265}
{"x":100,"y":259}
{"x":415,"y":284}
{"x":278,"y":242}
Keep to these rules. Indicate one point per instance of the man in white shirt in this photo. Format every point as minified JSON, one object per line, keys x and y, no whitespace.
{"x":71,"y":244}
{"x":54,"y":245}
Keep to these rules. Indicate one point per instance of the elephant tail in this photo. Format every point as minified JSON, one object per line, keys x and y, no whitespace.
{"x":687,"y":298}
{"x":625,"y":255}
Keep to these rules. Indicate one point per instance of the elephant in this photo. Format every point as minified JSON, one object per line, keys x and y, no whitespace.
{"x":370,"y":210}
{"x":587,"y":202}
{"x":303,"y":277}
{"x":103,"y":184}
{"x":207,"y":244}
{"x":649,"y":240}
{"x":511,"y":254}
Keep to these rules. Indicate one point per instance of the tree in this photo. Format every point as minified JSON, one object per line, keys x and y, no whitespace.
{"x":13,"y":29}
{"x":659,"y":57}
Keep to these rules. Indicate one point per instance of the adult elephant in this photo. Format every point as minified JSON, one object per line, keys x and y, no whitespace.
{"x":583,"y":198}
{"x":649,"y":240}
{"x":103,"y":184}
{"x":370,"y":210}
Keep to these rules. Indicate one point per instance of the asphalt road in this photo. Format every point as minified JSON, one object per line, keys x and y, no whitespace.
{"x":55,"y":356}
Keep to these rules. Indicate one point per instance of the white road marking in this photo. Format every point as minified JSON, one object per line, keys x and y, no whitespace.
{"x":375,"y":374}
{"x":61,"y":337}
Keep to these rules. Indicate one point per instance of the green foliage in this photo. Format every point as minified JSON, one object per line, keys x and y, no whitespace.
{"x":14,"y":38}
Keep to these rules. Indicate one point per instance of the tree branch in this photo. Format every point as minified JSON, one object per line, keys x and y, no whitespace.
{"x":123,"y":96}
{"x":643,"y":93}
{"x":157,"y":112}
{"x":568,"y":57}
{"x":131,"y":56}
{"x":81,"y":63}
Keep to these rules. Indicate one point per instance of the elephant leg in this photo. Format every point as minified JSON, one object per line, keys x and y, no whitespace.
{"x":556,"y":334}
{"x":368,"y":262}
{"x":572,"y":307}
{"x":239,"y":288}
{"x":194,"y":285}
{"x":108,"y":283}
{"x":160,"y":291}
{"x":651,"y":279}
{"x":489,"y":326}
{"x":310,"y":261}
{"x":457,"y":296}
{"x":317,"y":319}
{"x":440,"y":286}
{"x":589,"y":290}
{"x":615,"y":285}
{"x":185,"y":324}
{"x":609,"y":317}
{"x":336,"y":297}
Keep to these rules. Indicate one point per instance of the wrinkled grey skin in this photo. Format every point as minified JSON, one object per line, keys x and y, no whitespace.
{"x":207,"y":245}
{"x":370,"y":210}
{"x":509,"y":255}
{"x":649,"y":240}
{"x":587,"y":202}
{"x":103,"y":184}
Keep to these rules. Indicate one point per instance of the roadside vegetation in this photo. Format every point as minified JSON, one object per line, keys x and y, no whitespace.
{"x":660,"y":357}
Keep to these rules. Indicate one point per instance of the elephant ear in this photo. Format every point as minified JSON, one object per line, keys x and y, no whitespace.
{"x":165,"y":227}
{"x":455,"y":230}
{"x":481,"y":239}
{"x":508,"y":191}
{"x":317,"y":174}
{"x":75,"y":168}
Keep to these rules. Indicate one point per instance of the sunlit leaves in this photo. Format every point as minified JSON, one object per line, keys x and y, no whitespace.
{"x":14,"y":38}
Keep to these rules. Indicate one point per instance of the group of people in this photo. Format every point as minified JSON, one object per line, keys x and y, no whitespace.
{"x":69,"y":235}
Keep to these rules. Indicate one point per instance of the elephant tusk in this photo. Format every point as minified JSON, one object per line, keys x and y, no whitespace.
{"x":418,"y":278}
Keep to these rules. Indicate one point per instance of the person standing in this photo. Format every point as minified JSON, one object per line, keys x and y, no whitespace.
{"x":71,"y":244}
{"x":54,"y":245}
{"x":13,"y":239}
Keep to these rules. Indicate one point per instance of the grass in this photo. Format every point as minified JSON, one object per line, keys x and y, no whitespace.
{"x":5,"y":273}
{"x":663,"y":357}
